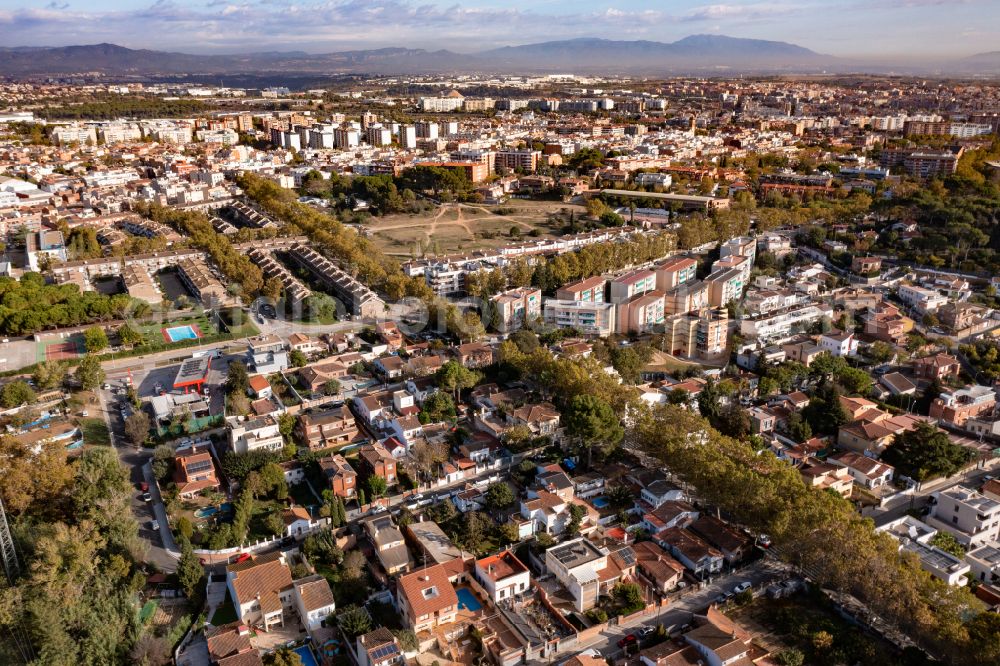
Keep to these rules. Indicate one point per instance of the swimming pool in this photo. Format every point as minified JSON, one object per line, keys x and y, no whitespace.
{"x":177,"y":333}
{"x":467,"y":600}
{"x":599,"y":502}
{"x":306,"y":655}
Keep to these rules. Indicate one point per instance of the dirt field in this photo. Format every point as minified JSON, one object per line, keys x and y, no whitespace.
{"x":454,"y":228}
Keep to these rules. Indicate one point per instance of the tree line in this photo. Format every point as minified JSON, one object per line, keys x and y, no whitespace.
{"x":235,"y":266}
{"x":29,"y":305}
{"x":354,"y":254}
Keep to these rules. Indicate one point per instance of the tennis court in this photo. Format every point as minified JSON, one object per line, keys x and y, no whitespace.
{"x":61,"y":349}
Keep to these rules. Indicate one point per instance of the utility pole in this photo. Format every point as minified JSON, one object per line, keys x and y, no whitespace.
{"x":12,"y":567}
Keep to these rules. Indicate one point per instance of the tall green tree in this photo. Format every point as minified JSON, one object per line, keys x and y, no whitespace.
{"x":89,"y":372}
{"x":592,"y":422}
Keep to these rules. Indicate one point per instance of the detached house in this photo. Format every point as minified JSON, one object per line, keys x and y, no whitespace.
{"x":326,"y":429}
{"x":377,"y":461}
{"x":503,"y":576}
{"x":427,"y":599}
{"x":691,"y":551}
{"x":340,"y":476}
{"x":194,"y":471}
{"x":474,"y":355}
{"x":264,"y":593}
{"x":866,"y":472}
{"x":662,"y":570}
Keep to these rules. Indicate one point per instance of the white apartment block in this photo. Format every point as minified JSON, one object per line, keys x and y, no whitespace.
{"x":920,"y":299}
{"x":972,"y":518}
{"x":588,"y":317}
{"x":785,"y":323}
{"x":441,"y":104}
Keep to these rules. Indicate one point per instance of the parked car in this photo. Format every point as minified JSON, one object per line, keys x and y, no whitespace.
{"x":625,"y":641}
{"x":143,"y":486}
{"x":646,"y":632}
{"x":742,"y":587}
{"x":147,"y":497}
{"x":764,"y":541}
{"x":154,"y":525}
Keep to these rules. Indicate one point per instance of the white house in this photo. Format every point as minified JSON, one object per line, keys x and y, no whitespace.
{"x":503,"y":576}
{"x":313,"y":600}
{"x":839,"y":343}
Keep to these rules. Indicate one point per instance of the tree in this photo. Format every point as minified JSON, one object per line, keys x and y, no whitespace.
{"x":984,"y":637}
{"x":525,"y":339}
{"x":137,"y":428}
{"x":824,"y":412}
{"x":630,"y":594}
{"x":274,"y":523}
{"x":790,"y":657}
{"x":283,"y":657}
{"x":130,"y":336}
{"x":163,"y":460}
{"x":298,"y":359}
{"x":377,"y":486}
{"x":184,"y":527}
{"x":331,"y":387}
{"x":237,"y":380}
{"x":95,"y":339}
{"x":517,"y":437}
{"x":15,"y":394}
{"x":49,"y":375}
{"x":407,"y":640}
{"x":593,"y":422}
{"x":89,"y":373}
{"x":354,"y":621}
{"x":799,"y":428}
{"x":926,"y":453}
{"x":880,"y":352}
{"x":499,"y":496}
{"x":576,"y":514}
{"x":453,"y":376}
{"x":620,"y":496}
{"x":189,"y":570}
{"x":437,"y":407}
{"x":29,"y":476}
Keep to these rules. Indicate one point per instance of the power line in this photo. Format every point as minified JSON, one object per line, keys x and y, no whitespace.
{"x":12,"y":567}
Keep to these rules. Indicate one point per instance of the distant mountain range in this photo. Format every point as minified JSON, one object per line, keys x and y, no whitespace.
{"x":695,"y":54}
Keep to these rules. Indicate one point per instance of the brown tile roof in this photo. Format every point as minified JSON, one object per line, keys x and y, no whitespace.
{"x":315,"y":592}
{"x":227,"y":640}
{"x":242,"y":659}
{"x":428,"y":591}
{"x":259,"y":577}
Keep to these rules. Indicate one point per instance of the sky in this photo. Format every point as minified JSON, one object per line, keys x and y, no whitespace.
{"x":888,"y":29}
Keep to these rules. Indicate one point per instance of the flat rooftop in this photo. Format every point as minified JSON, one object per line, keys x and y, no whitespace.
{"x":193,"y":370}
{"x":576,"y":553}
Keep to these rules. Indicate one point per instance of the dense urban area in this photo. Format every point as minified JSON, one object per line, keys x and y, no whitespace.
{"x":471,"y":370}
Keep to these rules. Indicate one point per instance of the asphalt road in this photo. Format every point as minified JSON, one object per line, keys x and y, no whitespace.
{"x":760,"y":574}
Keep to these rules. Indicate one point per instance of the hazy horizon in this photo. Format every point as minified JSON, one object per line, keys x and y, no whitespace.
{"x":888,"y":30}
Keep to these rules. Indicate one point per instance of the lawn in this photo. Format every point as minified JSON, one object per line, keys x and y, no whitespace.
{"x":225,"y":613}
{"x":302,"y":495}
{"x":95,"y":432}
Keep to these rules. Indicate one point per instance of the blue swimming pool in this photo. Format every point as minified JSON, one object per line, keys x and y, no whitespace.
{"x":306,"y":655}
{"x":599,"y":502}
{"x":467,"y":600}
{"x":186,"y":332}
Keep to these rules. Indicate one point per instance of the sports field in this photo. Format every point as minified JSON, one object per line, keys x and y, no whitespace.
{"x":455,"y":228}
{"x":61,"y":348}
